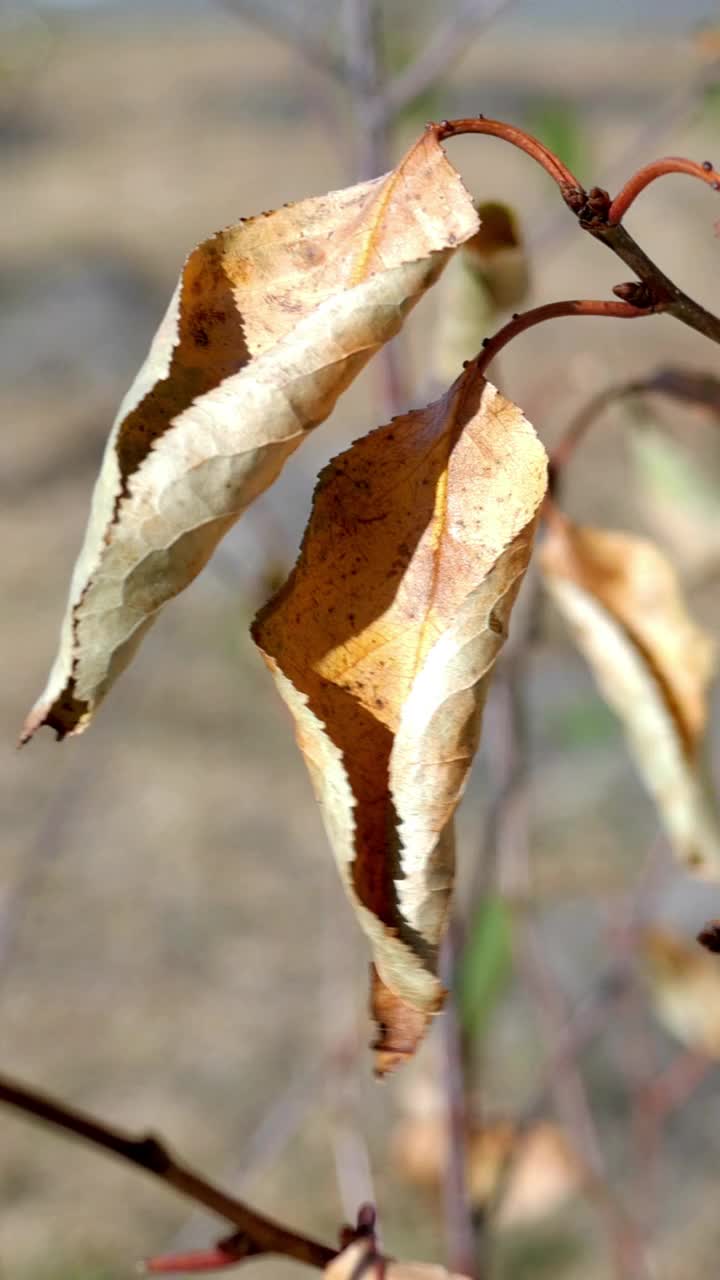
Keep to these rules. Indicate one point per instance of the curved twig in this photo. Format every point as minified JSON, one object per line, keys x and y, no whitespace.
{"x":659,"y":169}
{"x":554,"y":311}
{"x":571,"y":190}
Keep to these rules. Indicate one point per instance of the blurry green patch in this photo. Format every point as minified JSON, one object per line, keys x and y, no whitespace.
{"x":585,"y":722}
{"x":711,"y":102}
{"x":486,"y":964}
{"x":536,"y":1254}
{"x":557,"y":124}
{"x":672,"y":472}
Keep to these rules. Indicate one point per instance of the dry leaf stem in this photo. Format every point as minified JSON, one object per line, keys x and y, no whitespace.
{"x":257,"y":1234}
{"x":556,"y":311}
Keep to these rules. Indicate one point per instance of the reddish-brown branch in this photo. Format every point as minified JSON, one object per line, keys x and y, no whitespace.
{"x":570,"y":189}
{"x":658,"y":169}
{"x":686,"y":386}
{"x":565,"y":448}
{"x":555,"y":311}
{"x":256,"y":1234}
{"x":593,"y":209}
{"x":197,"y":1261}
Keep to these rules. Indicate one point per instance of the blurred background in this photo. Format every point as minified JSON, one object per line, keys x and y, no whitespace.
{"x":175,"y":949}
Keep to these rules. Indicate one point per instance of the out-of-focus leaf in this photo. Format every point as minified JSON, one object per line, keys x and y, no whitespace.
{"x":382,"y":642}
{"x":270,"y":322}
{"x":532,"y":1170}
{"x":355,"y":1261}
{"x":623,"y":603}
{"x":685,"y":986}
{"x":488,"y":275}
{"x":486,"y":964}
{"x":498,"y":255}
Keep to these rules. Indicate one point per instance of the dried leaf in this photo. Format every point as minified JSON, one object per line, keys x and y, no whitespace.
{"x":489,"y":274}
{"x":381,"y":644}
{"x":623,"y":603}
{"x":685,"y":985}
{"x":360,"y":1262}
{"x":498,"y":255}
{"x":270,"y":322}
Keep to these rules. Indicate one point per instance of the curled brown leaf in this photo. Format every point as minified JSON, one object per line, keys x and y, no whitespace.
{"x":622,"y":601}
{"x":382,"y":642}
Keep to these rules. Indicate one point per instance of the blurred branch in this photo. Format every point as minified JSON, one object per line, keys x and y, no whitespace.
{"x":506,"y":848}
{"x":256,"y":1235}
{"x":448,"y":43}
{"x":684,"y":385}
{"x":464,"y":1249}
{"x":290,"y":28}
{"x":672,"y":110}
{"x":361,"y":27}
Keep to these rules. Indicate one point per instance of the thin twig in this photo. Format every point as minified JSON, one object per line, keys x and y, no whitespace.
{"x":570,"y":188}
{"x":650,"y":173}
{"x":673,"y":109}
{"x":564,"y":1081}
{"x":575,"y":433}
{"x":292,"y":30}
{"x":684,"y":385}
{"x":372,"y":125}
{"x":258,"y":1233}
{"x":448,"y":43}
{"x":662,"y":289}
{"x":592,"y":209}
{"x":457,"y":1205}
{"x":555,"y":311}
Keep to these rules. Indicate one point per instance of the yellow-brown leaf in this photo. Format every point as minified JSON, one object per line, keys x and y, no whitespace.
{"x":270,"y":322}
{"x":623,"y":603}
{"x":381,"y":643}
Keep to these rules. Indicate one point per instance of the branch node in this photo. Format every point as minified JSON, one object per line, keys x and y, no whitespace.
{"x":639,"y":294}
{"x":152,"y":1155}
{"x":596,"y":207}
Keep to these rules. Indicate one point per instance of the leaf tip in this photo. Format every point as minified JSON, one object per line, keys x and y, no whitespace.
{"x":66,"y":715}
{"x":400,"y":1025}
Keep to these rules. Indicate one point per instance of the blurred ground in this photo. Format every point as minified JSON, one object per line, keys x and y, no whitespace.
{"x":174,"y":948}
